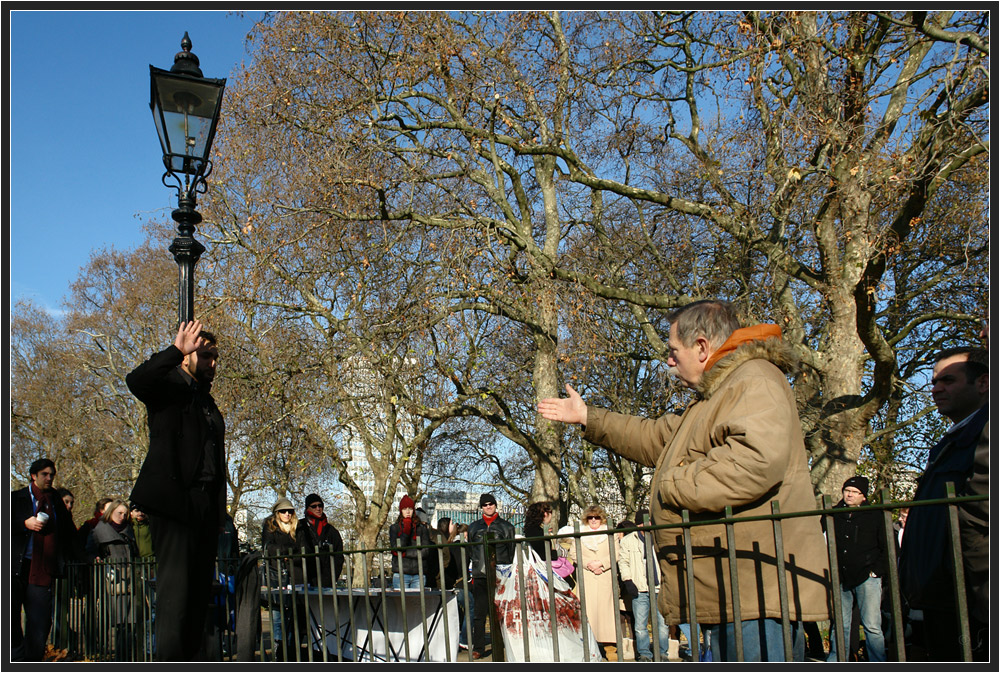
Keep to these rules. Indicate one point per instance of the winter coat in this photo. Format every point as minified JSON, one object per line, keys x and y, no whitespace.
{"x":409,"y":561}
{"x":113,"y":545}
{"x":116,"y":549}
{"x":861,"y":548}
{"x":60,"y":525}
{"x":502,"y":530}
{"x":738,"y":444}
{"x":184,"y":423}
{"x":598,"y":592}
{"x":925,"y":567}
{"x":327,"y":544}
{"x":248,"y":622}
{"x":142,"y":535}
{"x":632,"y":561}
{"x":974,"y":526}
{"x":277,"y":542}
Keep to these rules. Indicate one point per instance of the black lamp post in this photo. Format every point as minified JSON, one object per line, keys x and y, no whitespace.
{"x":186,"y":109}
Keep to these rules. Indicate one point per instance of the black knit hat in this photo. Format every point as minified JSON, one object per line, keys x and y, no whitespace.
{"x":311,"y":498}
{"x":640,"y":515}
{"x":858,"y":482}
{"x":487,"y":499}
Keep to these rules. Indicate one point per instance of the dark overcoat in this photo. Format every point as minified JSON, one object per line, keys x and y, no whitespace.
{"x":183,"y":419}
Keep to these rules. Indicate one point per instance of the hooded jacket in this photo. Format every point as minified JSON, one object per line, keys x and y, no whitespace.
{"x":738,"y":444}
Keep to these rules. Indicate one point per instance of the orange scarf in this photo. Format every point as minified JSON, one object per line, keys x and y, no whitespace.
{"x":742,"y":336}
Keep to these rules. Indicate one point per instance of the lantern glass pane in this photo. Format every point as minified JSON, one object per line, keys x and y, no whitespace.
{"x":184,"y":112}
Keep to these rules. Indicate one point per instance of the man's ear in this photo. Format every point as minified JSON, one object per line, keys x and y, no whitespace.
{"x":186,"y":363}
{"x":704,"y":349}
{"x":983,"y":384}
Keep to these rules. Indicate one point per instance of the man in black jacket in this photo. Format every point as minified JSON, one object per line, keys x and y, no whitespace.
{"x":41,"y":543}
{"x":182,"y":484}
{"x":483,"y":577}
{"x":961,"y":390}
{"x":322,"y":536}
{"x":860,"y":536}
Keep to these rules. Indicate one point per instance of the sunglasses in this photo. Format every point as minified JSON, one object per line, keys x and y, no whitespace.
{"x":286,"y":511}
{"x":316,"y":505}
{"x":592,"y":518}
{"x":487,"y":504}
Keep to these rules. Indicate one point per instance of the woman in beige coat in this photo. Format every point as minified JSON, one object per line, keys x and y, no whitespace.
{"x":594,"y":571}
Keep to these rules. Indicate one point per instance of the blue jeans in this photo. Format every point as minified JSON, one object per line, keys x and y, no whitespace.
{"x":643,"y":647}
{"x":696,"y":649}
{"x":762,"y":641}
{"x":463,"y":637}
{"x":409,"y":582}
{"x":868,"y":594}
{"x":275,"y":628}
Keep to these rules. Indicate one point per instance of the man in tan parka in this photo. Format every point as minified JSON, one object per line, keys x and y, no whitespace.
{"x":738,"y":444}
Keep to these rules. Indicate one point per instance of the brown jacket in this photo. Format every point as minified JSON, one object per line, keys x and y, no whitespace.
{"x":738,"y":444}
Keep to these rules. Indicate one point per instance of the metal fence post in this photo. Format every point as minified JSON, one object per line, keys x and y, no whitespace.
{"x":689,"y":572}
{"x":491,"y":586}
{"x":553,"y":619}
{"x":584,"y":624}
{"x":652,"y":593}
{"x":779,"y":558}
{"x":522,"y":597}
{"x":837,"y":629}
{"x":961,"y":600}
{"x":615,"y":593}
{"x":893,"y":577}
{"x":734,"y":584}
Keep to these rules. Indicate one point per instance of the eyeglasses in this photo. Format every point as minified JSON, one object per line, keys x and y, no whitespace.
{"x":316,"y":505}
{"x":286,"y":511}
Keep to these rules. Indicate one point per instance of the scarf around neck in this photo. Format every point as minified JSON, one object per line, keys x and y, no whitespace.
{"x":593,"y":542}
{"x":319,"y":522}
{"x":742,"y":336}
{"x":43,"y":543}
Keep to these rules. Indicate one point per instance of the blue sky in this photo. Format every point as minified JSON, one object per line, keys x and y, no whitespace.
{"x":84,"y":162}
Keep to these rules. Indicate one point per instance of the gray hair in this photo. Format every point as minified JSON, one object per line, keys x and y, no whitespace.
{"x":713,"y":319}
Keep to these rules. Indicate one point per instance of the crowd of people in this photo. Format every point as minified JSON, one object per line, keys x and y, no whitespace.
{"x":116,"y":534}
{"x":738,"y":445}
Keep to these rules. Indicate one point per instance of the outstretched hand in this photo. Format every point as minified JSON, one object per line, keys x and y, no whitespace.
{"x":188,"y":339}
{"x":570,"y":409}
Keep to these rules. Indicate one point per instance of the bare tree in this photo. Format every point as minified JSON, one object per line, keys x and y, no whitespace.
{"x":787,"y":161}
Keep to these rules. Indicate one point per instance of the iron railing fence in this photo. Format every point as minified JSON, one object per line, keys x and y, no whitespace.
{"x":287,"y":608}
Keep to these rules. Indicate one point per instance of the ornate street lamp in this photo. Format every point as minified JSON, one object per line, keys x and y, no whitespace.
{"x":186,"y":109}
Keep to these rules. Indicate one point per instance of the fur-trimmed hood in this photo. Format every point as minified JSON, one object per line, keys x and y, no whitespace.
{"x":772,"y":349}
